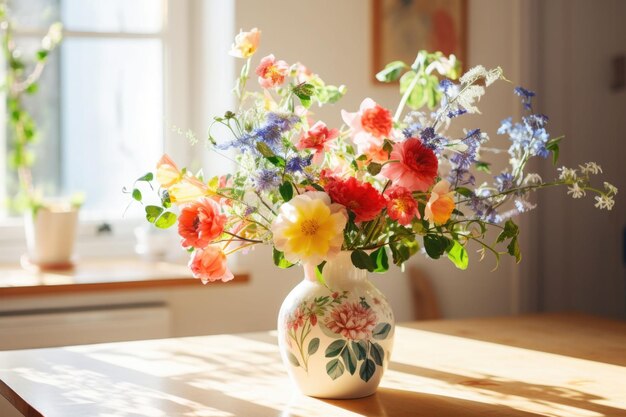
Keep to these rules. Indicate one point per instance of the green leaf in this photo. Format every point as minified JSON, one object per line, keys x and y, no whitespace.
{"x":318,"y":274}
{"x":334,"y":349}
{"x":166,"y":220}
{"x":380,"y":260}
{"x":435,"y":245}
{"x":368,"y":367}
{"x":360,"y":349}
{"x":314,"y":344}
{"x":465,"y":192}
{"x":553,"y":146}
{"x":278,"y":161}
{"x":511,"y":230}
{"x":279,"y":259}
{"x":286,"y":191}
{"x":334,"y":369}
{"x":165,"y":199}
{"x":381,"y":331}
{"x":42,"y":54}
{"x":361,"y":260}
{"x":483,"y":166}
{"x":377,"y":353}
{"x":137,"y":194}
{"x":374,"y":168}
{"x":349,"y":360}
{"x":148,"y":177}
{"x":392,"y":72}
{"x":264,"y":149}
{"x":458,"y":255}
{"x":153,"y":212}
{"x":513,"y":249}
{"x":292,"y":359}
{"x":32,"y":88}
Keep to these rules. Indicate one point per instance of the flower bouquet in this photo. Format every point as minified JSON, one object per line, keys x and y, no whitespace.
{"x":343,"y":200}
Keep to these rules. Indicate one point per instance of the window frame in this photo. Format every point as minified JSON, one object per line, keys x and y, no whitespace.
{"x":120,"y":241}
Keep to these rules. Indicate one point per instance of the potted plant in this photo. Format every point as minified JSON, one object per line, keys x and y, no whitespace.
{"x":50,"y":225}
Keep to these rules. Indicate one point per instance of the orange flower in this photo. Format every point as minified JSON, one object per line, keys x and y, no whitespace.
{"x":209,"y":264}
{"x":200,"y":223}
{"x":440,"y":204}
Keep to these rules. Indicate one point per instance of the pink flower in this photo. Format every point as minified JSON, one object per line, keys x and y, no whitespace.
{"x":303,"y":74}
{"x":209,"y":264}
{"x":416,"y":168}
{"x":200,"y":222}
{"x":401,"y":205}
{"x":317,"y":138}
{"x":297,"y":320}
{"x":246,"y":44}
{"x":271,"y":73}
{"x":352,"y":320}
{"x":370,"y":125}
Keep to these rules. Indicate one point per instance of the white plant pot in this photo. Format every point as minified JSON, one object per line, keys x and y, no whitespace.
{"x":50,"y":236}
{"x":336,"y":340}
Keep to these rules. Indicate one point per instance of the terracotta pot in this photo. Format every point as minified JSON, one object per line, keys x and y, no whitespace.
{"x":336,"y":340}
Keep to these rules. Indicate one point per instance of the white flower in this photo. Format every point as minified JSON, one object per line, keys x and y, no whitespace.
{"x":575,"y":191}
{"x":604,"y":202}
{"x":53,"y":37}
{"x":532,"y":179}
{"x":610,"y":188}
{"x":590,"y":168}
{"x":567,"y":174}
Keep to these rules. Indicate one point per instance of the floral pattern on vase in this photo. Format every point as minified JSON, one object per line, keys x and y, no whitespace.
{"x":336,"y":339}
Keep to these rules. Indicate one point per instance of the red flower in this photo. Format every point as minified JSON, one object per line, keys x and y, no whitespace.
{"x":316,"y":137}
{"x":200,"y":222}
{"x":401,"y":205}
{"x":417,"y":166}
{"x":360,"y":198}
{"x":313,"y":319}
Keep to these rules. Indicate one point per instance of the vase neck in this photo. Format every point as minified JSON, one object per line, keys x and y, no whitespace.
{"x":337,"y":271}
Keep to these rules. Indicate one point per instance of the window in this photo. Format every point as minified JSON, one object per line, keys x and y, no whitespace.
{"x":103,"y":103}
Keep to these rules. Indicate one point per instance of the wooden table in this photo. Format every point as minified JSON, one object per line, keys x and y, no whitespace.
{"x":544,"y":365}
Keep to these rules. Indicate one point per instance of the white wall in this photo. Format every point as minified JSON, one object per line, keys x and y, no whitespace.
{"x":579,"y":248}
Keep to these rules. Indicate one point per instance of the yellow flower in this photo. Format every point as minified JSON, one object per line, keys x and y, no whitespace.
{"x":309,"y":228}
{"x":181,"y":188}
{"x":246,"y":44}
{"x":440,"y":204}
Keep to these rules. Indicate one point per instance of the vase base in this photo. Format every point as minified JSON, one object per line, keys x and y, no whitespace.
{"x":340,"y":395}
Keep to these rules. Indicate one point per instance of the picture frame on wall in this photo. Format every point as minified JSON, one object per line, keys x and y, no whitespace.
{"x":401,"y":28}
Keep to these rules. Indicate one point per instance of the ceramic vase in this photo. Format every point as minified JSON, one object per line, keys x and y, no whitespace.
{"x":50,"y":235}
{"x":336,"y":339}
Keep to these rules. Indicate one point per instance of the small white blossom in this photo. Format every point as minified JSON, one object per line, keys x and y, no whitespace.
{"x":610,"y":188}
{"x":590,"y":168}
{"x":567,"y":174}
{"x":604,"y":202}
{"x":575,"y":191}
{"x":532,"y":179}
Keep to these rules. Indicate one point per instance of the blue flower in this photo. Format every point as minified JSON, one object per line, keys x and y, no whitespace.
{"x":526,"y":96}
{"x":504,"y":181}
{"x":298,"y":163}
{"x":266,"y":179}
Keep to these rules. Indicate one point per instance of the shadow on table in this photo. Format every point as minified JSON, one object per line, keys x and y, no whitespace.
{"x":497,"y":389}
{"x":388,"y":402}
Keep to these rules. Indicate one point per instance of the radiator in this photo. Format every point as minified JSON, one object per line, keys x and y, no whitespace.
{"x":83,"y":325}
